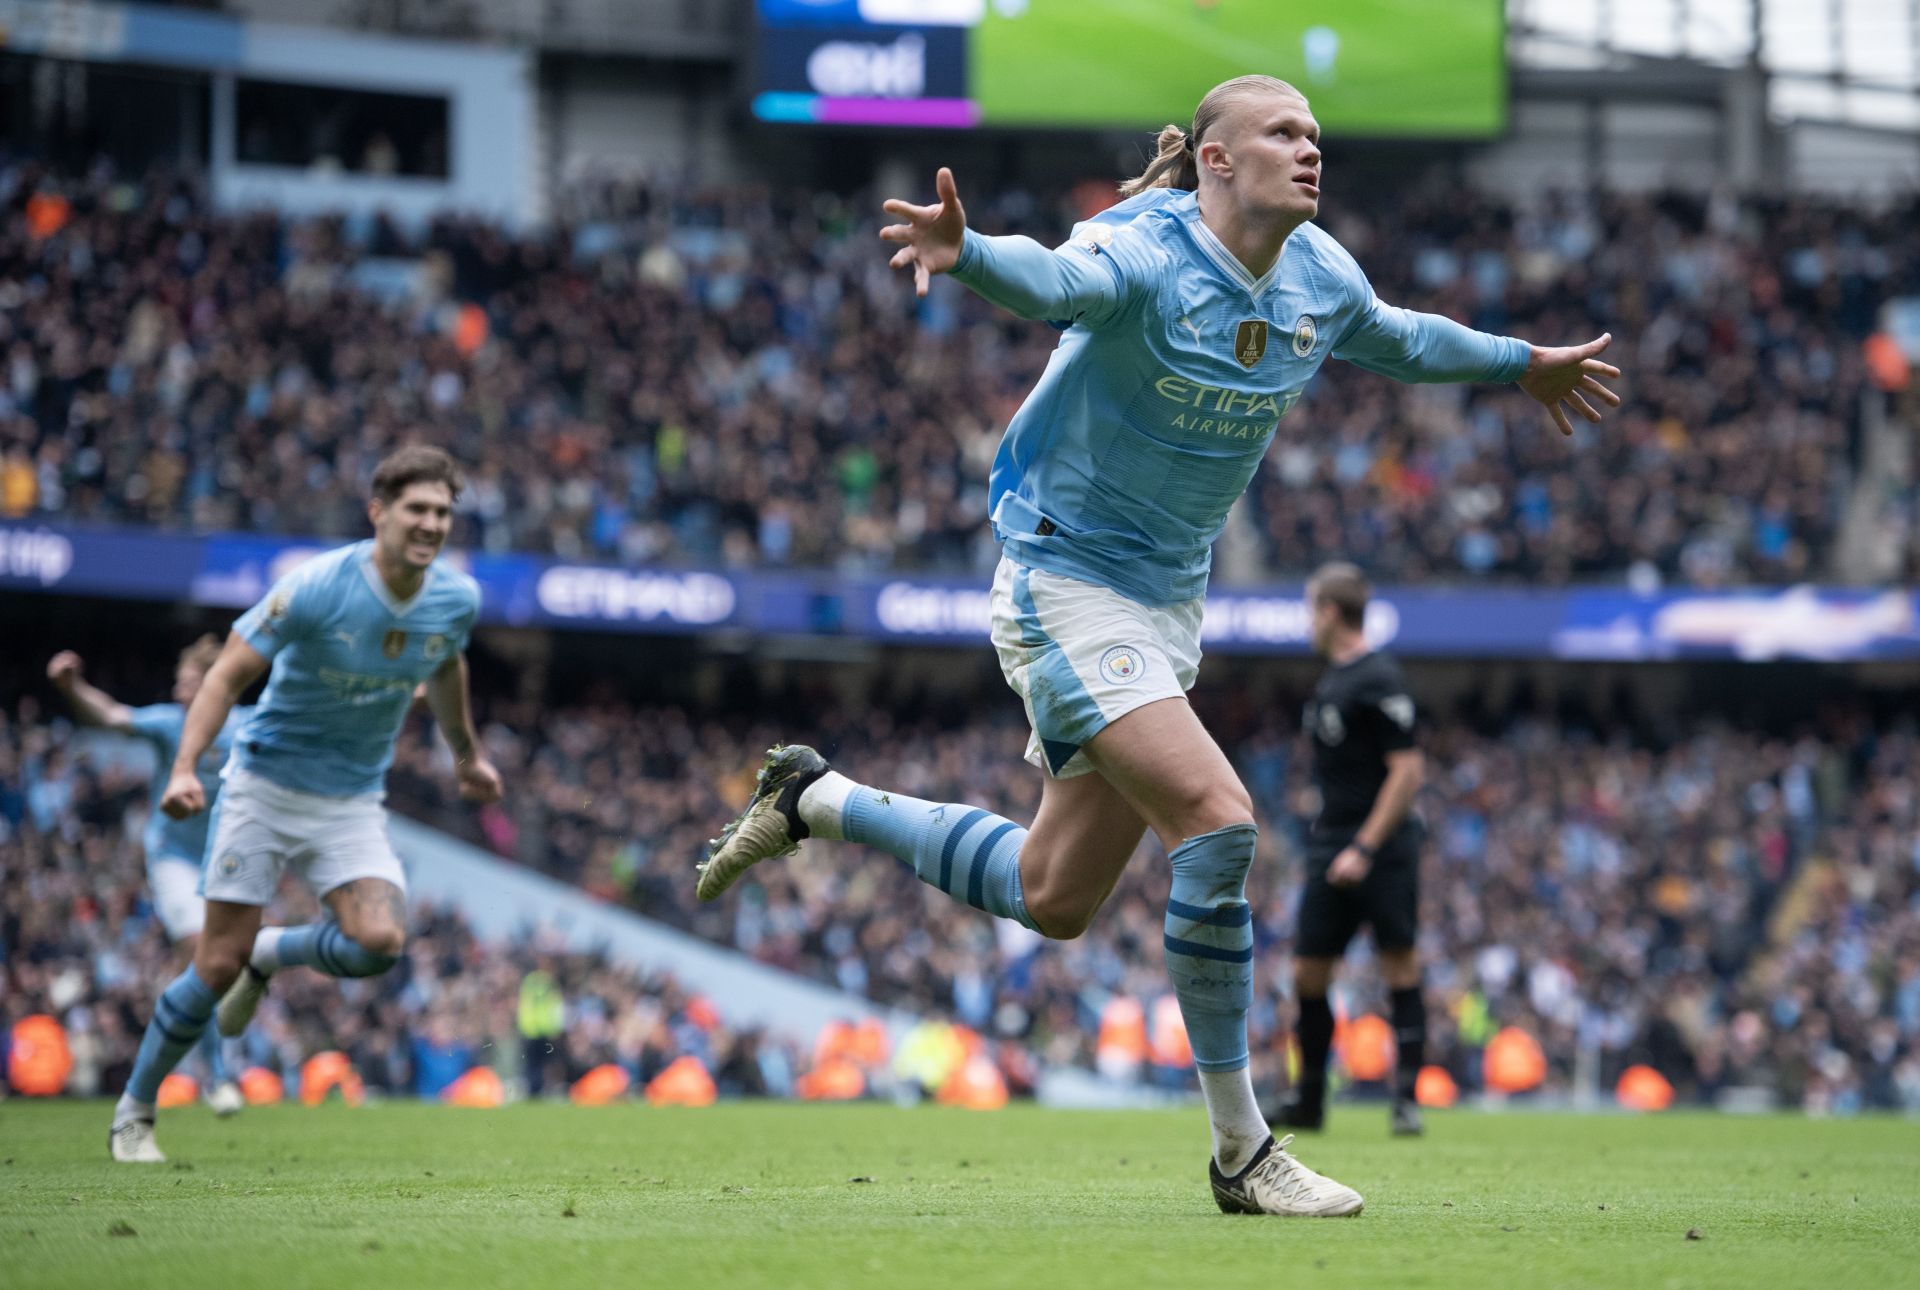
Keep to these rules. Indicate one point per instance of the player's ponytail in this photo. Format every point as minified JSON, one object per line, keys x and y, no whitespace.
{"x":1176,"y":163}
{"x":1173,"y":165}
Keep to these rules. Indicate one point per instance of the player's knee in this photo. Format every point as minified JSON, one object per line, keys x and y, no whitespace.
{"x":1210,"y":805}
{"x":1312,"y":977}
{"x":382,"y":939}
{"x":1060,"y":915}
{"x":217,"y":963}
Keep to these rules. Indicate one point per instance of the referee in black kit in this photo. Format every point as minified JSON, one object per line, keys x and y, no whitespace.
{"x":1363,"y":853}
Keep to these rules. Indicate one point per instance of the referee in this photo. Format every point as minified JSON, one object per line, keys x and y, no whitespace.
{"x":1363,"y":853}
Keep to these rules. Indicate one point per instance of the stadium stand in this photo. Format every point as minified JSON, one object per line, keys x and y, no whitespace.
{"x":731,"y":375}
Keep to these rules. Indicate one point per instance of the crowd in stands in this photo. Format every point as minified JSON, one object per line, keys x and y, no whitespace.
{"x":1736,"y":911}
{"x":732,"y":374}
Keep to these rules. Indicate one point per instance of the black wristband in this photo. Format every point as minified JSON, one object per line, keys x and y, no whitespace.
{"x":1362,"y":848}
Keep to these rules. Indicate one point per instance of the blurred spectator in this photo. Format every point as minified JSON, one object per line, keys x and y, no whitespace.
{"x":732,"y":375}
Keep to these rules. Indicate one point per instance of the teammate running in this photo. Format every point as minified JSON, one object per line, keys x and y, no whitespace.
{"x":349,"y":635}
{"x":1195,"y":312}
{"x":173,"y":847}
{"x":1363,"y":856}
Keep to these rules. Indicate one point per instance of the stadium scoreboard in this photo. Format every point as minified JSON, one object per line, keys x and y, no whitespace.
{"x":1370,"y":67}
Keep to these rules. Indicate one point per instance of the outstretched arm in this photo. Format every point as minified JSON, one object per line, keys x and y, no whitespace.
{"x":91,"y":705}
{"x":1016,"y":273}
{"x":1411,"y":346}
{"x":447,"y":696}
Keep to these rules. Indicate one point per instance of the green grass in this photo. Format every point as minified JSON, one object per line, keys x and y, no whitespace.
{"x":1405,"y":67}
{"x":405,"y":1195}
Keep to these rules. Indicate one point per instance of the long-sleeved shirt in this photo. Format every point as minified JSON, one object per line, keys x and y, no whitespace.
{"x":1175,"y":367}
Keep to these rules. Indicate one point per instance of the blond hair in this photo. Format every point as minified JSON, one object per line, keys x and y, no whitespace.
{"x":1176,"y":161}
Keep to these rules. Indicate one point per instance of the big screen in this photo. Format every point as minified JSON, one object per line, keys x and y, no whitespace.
{"x":1372,"y":67}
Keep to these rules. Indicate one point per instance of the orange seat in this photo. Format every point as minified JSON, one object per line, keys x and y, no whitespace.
{"x":39,"y":1059}
{"x":480,"y":1087}
{"x":1367,"y":1048}
{"x":325,"y":1072}
{"x":1642,"y":1088}
{"x":177,"y":1090}
{"x":603,"y":1084}
{"x":1434,"y":1087}
{"x":261,"y":1087}
{"x":684,"y":1082}
{"x":1514,"y":1062}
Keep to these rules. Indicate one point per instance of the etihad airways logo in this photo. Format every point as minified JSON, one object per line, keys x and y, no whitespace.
{"x":1236,"y":414}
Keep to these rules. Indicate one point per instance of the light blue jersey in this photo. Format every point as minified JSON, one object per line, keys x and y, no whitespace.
{"x":160,"y":724}
{"x":346,"y":658}
{"x":1176,"y":366}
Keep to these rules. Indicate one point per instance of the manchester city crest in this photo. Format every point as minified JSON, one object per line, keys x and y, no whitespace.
{"x":1122,"y":665}
{"x":1305,"y":336}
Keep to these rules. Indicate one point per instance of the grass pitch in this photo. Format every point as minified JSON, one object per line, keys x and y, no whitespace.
{"x":793,"y":1195}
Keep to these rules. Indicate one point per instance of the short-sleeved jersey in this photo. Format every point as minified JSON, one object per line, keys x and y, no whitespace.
{"x":1360,"y":711}
{"x":1161,"y":399}
{"x":160,"y":724}
{"x":346,"y":658}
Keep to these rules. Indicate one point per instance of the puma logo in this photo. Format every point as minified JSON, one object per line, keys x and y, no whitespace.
{"x":1192,"y":326}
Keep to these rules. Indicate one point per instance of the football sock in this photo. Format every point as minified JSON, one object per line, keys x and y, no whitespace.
{"x":971,"y":854}
{"x":1239,"y":1129}
{"x":1314,"y":1028}
{"x":179,"y":1017}
{"x":1209,"y":953}
{"x":1409,"y":1008}
{"x":320,"y":946}
{"x":213,"y":1050}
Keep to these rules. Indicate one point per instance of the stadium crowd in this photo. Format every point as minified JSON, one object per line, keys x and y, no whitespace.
{"x":733,"y":375}
{"x":1738,"y":912}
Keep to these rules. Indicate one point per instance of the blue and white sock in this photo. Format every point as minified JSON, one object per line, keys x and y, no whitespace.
{"x":971,"y":854}
{"x":321,"y":946}
{"x":213,"y":1051}
{"x":179,"y":1018}
{"x":1209,"y":950}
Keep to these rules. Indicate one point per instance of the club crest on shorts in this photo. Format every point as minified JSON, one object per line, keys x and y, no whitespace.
{"x":393,"y":644}
{"x":1122,"y":665}
{"x":1250,"y":341}
{"x":1306,"y":334}
{"x":229,"y":863}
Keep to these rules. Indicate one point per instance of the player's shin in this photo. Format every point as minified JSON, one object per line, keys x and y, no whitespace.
{"x":1409,"y":1007}
{"x":1209,"y":951}
{"x":180,"y":1016}
{"x":321,"y":946}
{"x":971,"y":854}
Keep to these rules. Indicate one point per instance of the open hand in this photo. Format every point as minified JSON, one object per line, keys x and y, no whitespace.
{"x":1559,"y":378}
{"x":930,"y":240}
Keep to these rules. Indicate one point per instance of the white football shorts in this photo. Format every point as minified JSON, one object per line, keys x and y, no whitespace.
{"x":174,"y":884}
{"x":1081,"y":656}
{"x":261,"y":827}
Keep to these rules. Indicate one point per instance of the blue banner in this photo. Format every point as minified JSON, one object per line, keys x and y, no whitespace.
{"x":232,"y":571}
